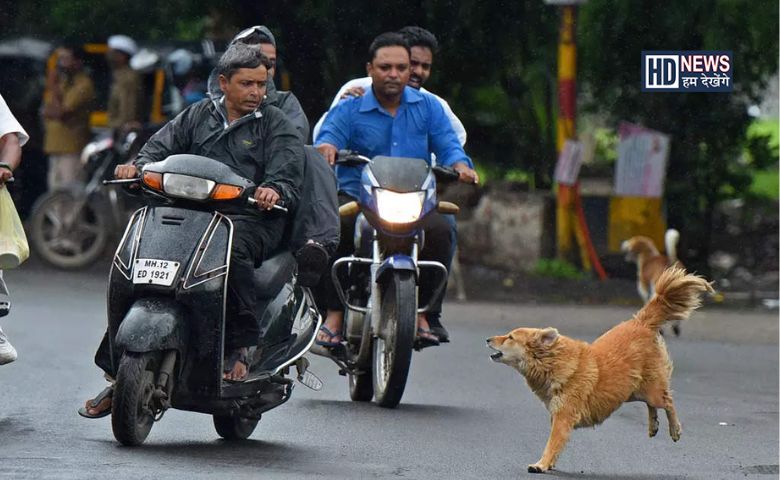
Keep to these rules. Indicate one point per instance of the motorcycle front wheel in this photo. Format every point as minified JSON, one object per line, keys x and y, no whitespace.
{"x":395,"y":339}
{"x":68,"y":231}
{"x":132,"y":414}
{"x":231,"y":427}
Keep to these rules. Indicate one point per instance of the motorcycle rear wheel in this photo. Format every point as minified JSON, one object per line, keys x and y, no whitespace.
{"x":132,"y":415}
{"x":395,"y":341}
{"x":64,"y":243}
{"x":232,"y":427}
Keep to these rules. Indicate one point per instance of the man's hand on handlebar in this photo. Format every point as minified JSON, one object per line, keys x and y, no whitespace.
{"x":266,"y":198}
{"x":467,"y":174}
{"x":329,"y":152}
{"x":125,"y":172}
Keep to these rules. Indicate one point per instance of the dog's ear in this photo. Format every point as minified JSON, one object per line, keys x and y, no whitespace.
{"x":548,"y":336}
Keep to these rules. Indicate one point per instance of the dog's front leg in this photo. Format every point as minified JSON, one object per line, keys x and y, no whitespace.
{"x":562,"y":426}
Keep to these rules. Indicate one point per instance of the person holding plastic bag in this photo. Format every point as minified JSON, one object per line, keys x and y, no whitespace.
{"x":13,"y":243}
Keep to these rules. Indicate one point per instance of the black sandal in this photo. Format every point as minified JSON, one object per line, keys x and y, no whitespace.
{"x":106,"y":394}
{"x":425,"y":338}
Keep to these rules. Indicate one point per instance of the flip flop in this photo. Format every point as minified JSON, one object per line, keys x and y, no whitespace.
{"x":331,"y":335}
{"x":101,"y":397}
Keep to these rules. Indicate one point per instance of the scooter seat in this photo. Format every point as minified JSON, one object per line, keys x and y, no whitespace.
{"x":273,"y":274}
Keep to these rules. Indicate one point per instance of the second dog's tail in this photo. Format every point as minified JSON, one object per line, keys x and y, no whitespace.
{"x":671,"y":237}
{"x":676,"y":296}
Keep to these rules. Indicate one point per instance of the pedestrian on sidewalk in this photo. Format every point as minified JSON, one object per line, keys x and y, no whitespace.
{"x":12,"y":138}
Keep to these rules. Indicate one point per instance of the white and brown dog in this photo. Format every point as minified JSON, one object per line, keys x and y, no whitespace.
{"x":650,"y":263}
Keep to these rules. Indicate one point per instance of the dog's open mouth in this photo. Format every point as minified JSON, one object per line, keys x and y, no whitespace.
{"x":496,"y":356}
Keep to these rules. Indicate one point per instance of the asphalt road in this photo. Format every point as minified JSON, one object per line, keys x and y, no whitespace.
{"x":462,"y":417}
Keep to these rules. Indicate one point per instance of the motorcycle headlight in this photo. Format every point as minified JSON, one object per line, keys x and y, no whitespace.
{"x":399,"y":207}
{"x":185,"y":186}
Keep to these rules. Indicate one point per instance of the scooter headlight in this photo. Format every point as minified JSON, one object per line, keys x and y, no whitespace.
{"x":185,"y":186}
{"x":399,"y":207}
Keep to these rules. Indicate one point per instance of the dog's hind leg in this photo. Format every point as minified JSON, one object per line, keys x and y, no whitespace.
{"x":652,"y":420}
{"x":562,"y":426}
{"x":662,"y":398}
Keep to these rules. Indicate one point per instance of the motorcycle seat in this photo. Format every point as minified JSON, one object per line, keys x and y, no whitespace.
{"x":273,"y":274}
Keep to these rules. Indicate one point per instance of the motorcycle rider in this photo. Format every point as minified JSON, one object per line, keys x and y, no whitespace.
{"x":396,"y":120}
{"x":259,"y":143}
{"x":423,"y":46}
{"x":314,"y":233}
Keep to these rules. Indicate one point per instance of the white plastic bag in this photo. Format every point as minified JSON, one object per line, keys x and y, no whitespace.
{"x":13,"y":242}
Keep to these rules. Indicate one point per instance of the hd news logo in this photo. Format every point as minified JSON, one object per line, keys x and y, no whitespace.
{"x":687,"y":71}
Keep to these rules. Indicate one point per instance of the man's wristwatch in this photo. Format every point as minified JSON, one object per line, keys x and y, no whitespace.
{"x":6,"y":166}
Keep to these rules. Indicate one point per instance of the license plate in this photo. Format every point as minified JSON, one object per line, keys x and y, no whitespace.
{"x":155,"y":272}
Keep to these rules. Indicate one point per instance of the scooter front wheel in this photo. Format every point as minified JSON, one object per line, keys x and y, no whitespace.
{"x":232,"y":427}
{"x":132,"y":414}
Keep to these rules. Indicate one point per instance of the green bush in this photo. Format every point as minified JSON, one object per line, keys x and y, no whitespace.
{"x":556,"y":268}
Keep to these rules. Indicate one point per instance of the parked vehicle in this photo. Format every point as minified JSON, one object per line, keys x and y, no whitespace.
{"x":71,"y":228}
{"x":381,"y":300}
{"x":166,"y":307}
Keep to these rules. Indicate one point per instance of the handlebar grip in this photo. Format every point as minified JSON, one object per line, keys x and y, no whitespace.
{"x":252,"y":201}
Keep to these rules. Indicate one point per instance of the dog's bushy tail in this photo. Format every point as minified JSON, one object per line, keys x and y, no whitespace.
{"x":677,"y":294}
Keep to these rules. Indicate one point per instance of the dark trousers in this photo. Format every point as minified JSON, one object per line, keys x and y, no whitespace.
{"x":438,"y":247}
{"x":254,"y":239}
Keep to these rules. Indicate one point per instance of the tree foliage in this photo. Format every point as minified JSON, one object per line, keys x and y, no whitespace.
{"x":708,"y":131}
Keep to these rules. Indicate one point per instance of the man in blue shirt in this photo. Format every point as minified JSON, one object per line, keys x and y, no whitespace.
{"x":395,"y":120}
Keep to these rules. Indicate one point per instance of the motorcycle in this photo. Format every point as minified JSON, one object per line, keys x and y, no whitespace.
{"x":166,"y":307}
{"x":381,"y":297}
{"x":70,"y":228}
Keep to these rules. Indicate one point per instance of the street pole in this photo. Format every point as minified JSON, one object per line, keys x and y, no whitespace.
{"x":570,"y":217}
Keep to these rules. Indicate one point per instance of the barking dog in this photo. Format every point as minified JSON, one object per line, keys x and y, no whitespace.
{"x":581,"y":384}
{"x":650,"y":263}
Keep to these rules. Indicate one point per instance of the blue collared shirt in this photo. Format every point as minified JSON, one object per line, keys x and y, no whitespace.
{"x":420,"y":127}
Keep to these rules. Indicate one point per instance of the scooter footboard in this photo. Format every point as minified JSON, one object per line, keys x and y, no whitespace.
{"x":153,"y":324}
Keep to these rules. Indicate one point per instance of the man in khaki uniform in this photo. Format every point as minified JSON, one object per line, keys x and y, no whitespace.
{"x":66,"y":117}
{"x":124,"y":98}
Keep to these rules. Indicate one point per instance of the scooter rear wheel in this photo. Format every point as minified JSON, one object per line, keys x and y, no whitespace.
{"x":132,"y":414}
{"x":233,"y":427}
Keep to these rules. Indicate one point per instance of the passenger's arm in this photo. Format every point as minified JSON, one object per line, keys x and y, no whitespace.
{"x":284,"y":158}
{"x":457,"y":125}
{"x":294,"y":111}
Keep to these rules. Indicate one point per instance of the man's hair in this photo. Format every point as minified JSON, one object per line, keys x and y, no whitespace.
{"x":239,"y":56}
{"x":255,"y":38}
{"x":420,"y":37}
{"x":387,"y":39}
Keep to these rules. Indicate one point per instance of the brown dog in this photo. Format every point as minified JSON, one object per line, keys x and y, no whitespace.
{"x":650,"y":263}
{"x":581,"y":384}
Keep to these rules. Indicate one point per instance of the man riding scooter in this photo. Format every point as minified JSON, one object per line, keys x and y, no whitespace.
{"x":259,"y":143}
